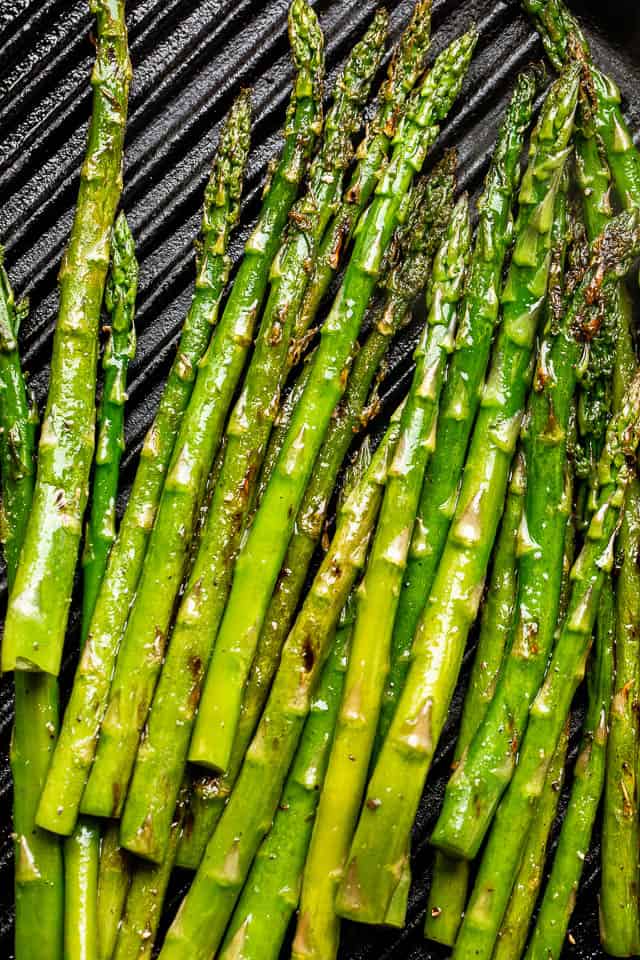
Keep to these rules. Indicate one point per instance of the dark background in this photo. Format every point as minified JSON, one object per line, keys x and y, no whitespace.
{"x":190,"y":59}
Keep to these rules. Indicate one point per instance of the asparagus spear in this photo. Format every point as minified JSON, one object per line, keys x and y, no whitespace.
{"x":82,"y":848}
{"x":448,"y":893}
{"x":201,"y":921}
{"x":562,"y":39}
{"x":515,"y":926}
{"x":619,"y":925}
{"x":619,"y":920}
{"x":76,"y":746}
{"x":141,"y":917}
{"x":318,"y":927}
{"x":588,"y":781}
{"x":381,"y":840}
{"x":81,"y":855}
{"x":404,"y":72}
{"x":474,"y":790}
{"x":114,"y":876}
{"x":153,"y":792}
{"x":144,"y":641}
{"x":416,"y":241}
{"x":551,"y":707}
{"x":120,"y":298}
{"x":39,"y":881}
{"x":461,"y":395}
{"x":264,"y":550}
{"x":38,"y":608}
{"x":270,"y":896}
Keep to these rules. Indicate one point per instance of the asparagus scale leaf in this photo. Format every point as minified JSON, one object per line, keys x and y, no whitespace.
{"x":38,"y":608}
{"x":75,"y":749}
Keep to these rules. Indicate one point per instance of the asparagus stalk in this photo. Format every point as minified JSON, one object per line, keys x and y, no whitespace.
{"x":82,"y":848}
{"x":145,"y":638}
{"x":461,"y":395}
{"x":120,"y":298}
{"x":141,"y":918}
{"x":551,"y":707}
{"x":382,"y":837}
{"x":114,"y":876}
{"x":318,"y":927}
{"x":588,"y":781}
{"x":515,"y":926}
{"x":562,"y":39}
{"x":39,"y":880}
{"x":76,"y":745}
{"x":264,"y":550}
{"x":201,"y":921}
{"x":415,"y":243}
{"x":162,"y":756}
{"x":619,"y":924}
{"x":38,"y":607}
{"x":474,"y":790}
{"x":448,"y":893}
{"x":404,"y":72}
{"x":81,"y":855}
{"x":619,"y":919}
{"x":270,"y":896}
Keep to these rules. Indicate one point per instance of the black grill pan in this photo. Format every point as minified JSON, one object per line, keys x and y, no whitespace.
{"x":190,"y":59}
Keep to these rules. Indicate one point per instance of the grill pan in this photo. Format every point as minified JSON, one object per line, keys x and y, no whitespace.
{"x":190,"y":59}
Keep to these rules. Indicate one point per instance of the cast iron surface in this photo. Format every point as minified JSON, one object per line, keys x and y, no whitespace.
{"x":190,"y":59}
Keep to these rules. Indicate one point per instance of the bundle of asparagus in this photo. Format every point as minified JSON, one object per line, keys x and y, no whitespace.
{"x":264,"y":677}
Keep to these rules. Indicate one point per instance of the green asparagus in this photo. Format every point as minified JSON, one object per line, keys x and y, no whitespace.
{"x":261,"y":558}
{"x":144,"y":642}
{"x":162,"y":756}
{"x":515,"y":926}
{"x":461,"y":395}
{"x":270,"y":896}
{"x":448,"y":893}
{"x":550,"y":709}
{"x":120,"y":298}
{"x":318,"y":927}
{"x":381,"y":841}
{"x":141,"y":917}
{"x":474,"y":790}
{"x":114,"y":876}
{"x":405,"y":69}
{"x":38,"y":607}
{"x":588,"y":781}
{"x":563,"y":39}
{"x":76,"y":745}
{"x":39,"y":878}
{"x":415,"y":243}
{"x":81,"y":855}
{"x":201,"y":921}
